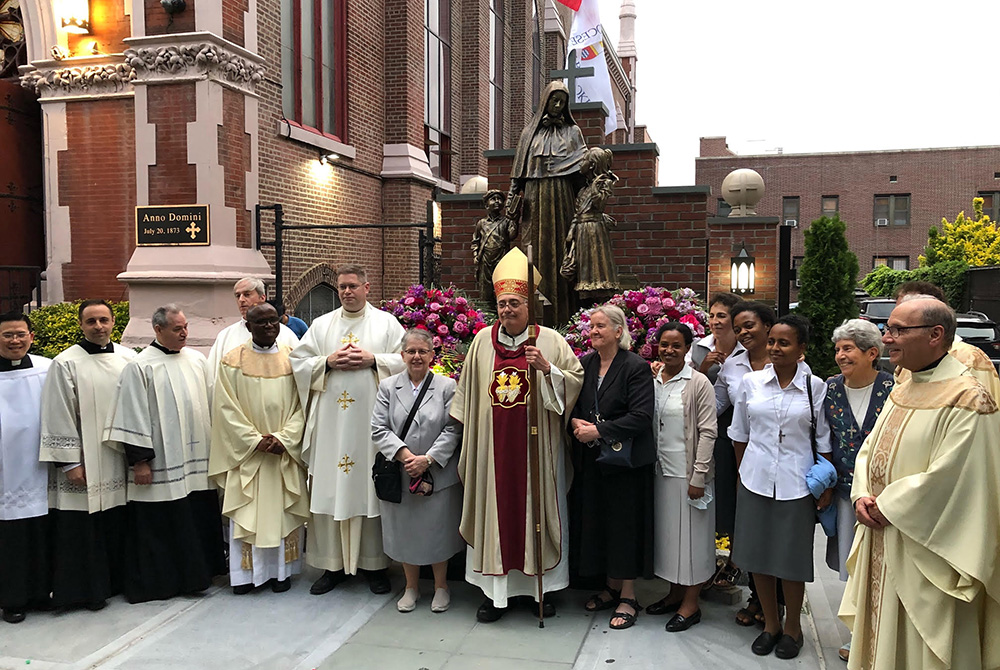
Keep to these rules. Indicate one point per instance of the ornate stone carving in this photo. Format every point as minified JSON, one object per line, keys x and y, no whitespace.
{"x":83,"y":80}
{"x":196,"y":59}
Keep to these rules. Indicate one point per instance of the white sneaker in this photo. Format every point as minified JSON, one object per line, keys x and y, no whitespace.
{"x":409,"y":600}
{"x":442,"y":599}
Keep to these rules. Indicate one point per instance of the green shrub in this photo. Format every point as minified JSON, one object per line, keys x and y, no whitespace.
{"x":949,"y":275}
{"x":57,"y":327}
{"x":828,"y":274}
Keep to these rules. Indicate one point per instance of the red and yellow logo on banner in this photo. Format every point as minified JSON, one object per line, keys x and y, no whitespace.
{"x":509,"y":387}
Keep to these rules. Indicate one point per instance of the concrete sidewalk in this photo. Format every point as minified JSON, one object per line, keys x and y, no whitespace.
{"x":351,"y":628}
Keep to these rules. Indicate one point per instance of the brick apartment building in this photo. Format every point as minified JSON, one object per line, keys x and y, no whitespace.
{"x":343,"y":111}
{"x":888,"y":199}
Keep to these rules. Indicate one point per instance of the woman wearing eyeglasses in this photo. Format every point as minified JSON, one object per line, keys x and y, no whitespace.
{"x":422,"y":528}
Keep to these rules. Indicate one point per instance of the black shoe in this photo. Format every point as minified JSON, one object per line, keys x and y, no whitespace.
{"x":378,"y":581}
{"x":97,"y":605}
{"x":281,"y":586}
{"x":764,"y":644}
{"x":548,"y":607}
{"x":13,"y":616}
{"x":788,"y":646}
{"x":327,"y":582}
{"x":680,"y":622}
{"x":663,"y":607}
{"x":242,"y":589}
{"x":488,"y":612}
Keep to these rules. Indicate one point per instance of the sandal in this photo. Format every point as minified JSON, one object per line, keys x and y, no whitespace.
{"x":747,"y":616}
{"x":727,"y":576}
{"x":628,"y":617}
{"x":596,"y":603}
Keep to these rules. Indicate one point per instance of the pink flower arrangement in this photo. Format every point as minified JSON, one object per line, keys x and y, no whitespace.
{"x":645,"y":311}
{"x":449,"y":316}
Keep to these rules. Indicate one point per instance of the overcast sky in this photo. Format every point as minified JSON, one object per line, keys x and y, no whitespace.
{"x":811,"y":76}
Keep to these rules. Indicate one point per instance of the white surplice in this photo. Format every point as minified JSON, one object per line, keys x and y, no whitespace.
{"x":236,"y":335}
{"x":337,"y":445}
{"x":163,"y":402}
{"x":75,"y":404}
{"x":24,"y":481}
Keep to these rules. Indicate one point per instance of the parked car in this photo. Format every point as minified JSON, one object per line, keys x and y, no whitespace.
{"x":973,"y":327}
{"x":877,"y":310}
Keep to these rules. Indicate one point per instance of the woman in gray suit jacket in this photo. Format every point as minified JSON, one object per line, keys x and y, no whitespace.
{"x":423,"y":528}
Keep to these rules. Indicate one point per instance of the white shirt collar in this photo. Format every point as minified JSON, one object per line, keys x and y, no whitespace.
{"x":273,"y":349}
{"x":798,"y":381}
{"x":685,"y":373}
{"x":512,"y":341}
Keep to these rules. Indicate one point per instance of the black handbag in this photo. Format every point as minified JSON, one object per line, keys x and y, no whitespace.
{"x":388,"y":475}
{"x":613,"y":452}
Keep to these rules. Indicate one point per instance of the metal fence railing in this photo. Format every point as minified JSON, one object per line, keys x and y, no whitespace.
{"x":20,"y":287}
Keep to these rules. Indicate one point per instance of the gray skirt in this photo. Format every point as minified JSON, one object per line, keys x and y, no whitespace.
{"x":423,"y":531}
{"x":775,"y":537}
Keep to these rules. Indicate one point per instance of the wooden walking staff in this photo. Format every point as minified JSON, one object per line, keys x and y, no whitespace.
{"x":534,"y":412}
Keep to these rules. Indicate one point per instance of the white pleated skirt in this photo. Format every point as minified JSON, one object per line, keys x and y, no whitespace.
{"x":684,"y":544}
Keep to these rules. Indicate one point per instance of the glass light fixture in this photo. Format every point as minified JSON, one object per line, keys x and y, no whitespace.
{"x":75,"y":16}
{"x":742,"y":272}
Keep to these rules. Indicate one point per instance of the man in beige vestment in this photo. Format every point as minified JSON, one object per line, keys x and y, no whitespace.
{"x":491,"y":403}
{"x":248,"y":292}
{"x":337,"y":367}
{"x":256,"y":459}
{"x":970,"y":356}
{"x":924,"y":586}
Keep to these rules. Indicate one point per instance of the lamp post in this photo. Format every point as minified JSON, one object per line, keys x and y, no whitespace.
{"x":742,"y":272}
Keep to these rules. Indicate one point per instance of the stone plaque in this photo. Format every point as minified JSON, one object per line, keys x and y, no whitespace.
{"x":172,"y":226}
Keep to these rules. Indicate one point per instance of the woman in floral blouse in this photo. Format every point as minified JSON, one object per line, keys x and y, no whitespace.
{"x":854,"y":399}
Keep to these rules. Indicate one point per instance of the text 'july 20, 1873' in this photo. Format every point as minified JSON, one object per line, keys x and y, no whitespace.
{"x":172,"y":225}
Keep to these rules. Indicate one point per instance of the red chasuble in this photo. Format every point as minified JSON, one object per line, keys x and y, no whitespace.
{"x":509,"y":399}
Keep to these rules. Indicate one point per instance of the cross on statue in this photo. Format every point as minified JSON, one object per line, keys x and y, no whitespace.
{"x":346,"y":464}
{"x":193,"y":229}
{"x":571,"y":73}
{"x":344,"y":400}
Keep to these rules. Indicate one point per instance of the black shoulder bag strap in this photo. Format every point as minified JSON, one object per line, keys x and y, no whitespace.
{"x":416,"y":403}
{"x":812,"y":418}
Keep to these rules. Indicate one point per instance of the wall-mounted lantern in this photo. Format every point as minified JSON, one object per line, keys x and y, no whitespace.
{"x":75,"y":16}
{"x":742,"y":272}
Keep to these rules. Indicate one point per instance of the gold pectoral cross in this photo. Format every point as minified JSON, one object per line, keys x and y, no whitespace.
{"x":193,"y":229}
{"x":346,"y":464}
{"x":344,"y":400}
{"x":350,"y":338}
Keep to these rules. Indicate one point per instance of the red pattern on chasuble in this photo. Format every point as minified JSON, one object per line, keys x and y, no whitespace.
{"x":508,"y":397}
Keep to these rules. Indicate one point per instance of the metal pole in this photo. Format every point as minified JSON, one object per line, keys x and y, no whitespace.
{"x":784,"y":267}
{"x":279,"y":266}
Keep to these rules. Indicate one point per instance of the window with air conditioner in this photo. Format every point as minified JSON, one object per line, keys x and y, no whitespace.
{"x":790,"y":211}
{"x":891,"y":210}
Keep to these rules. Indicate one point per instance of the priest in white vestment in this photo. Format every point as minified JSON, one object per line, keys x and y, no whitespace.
{"x":924,"y":585}
{"x":338,"y":366}
{"x":248,"y":292}
{"x":969,"y":355}
{"x":491,"y":403}
{"x":257,"y":424}
{"x":24,"y":481}
{"x":161,"y":419}
{"x":87,"y":480}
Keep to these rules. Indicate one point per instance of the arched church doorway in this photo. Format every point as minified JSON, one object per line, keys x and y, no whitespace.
{"x":22,"y":215}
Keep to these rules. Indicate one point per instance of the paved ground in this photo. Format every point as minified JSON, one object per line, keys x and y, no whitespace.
{"x":351,"y":628}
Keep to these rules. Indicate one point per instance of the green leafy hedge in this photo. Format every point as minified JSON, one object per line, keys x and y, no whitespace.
{"x":949,"y":275}
{"x":57,"y":327}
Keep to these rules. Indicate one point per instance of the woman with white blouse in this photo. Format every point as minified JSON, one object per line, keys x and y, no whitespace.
{"x":775,"y":512}
{"x":684,"y":511}
{"x":751,"y":323}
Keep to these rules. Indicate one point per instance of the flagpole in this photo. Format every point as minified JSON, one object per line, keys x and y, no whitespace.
{"x":533,"y":448}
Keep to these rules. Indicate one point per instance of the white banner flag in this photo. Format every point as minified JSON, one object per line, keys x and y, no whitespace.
{"x":588,"y":40}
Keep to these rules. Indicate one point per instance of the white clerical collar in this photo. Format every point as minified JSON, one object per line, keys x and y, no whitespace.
{"x":273,"y":349}
{"x":512,"y":341}
{"x":354,"y":315}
